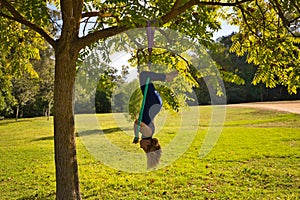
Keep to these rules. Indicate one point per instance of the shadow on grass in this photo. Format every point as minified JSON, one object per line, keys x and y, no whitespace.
{"x":38,"y":197}
{"x":84,"y":133}
{"x":99,"y":131}
{"x":10,"y":121}
{"x":43,"y":139}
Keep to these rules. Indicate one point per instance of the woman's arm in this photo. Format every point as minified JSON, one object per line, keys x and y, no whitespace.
{"x":152,"y":75}
{"x":157,"y":76}
{"x":170,"y":76}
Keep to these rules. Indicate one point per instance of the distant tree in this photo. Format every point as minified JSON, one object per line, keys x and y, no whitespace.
{"x":230,"y":62}
{"x":45,"y":70}
{"x":107,"y":82}
{"x":19,"y":46}
{"x":41,"y":100}
{"x":25,"y":89}
{"x":247,"y":92}
{"x":6,"y":98}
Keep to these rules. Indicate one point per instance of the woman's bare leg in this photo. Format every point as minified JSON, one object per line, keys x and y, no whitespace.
{"x":144,"y":129}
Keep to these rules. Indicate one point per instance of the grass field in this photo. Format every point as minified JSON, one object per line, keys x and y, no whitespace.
{"x":257,"y":157}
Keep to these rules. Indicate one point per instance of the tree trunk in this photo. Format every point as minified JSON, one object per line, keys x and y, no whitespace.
{"x":17,"y":113}
{"x":67,"y":181}
{"x":49,"y":110}
{"x":22,"y":112}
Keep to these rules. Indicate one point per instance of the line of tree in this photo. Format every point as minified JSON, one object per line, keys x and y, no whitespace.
{"x":31,"y":95}
{"x":249,"y":91}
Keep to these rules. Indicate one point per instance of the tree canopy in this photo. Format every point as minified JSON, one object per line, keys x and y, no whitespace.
{"x":269,"y":33}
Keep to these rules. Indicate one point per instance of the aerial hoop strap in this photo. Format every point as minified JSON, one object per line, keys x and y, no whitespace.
{"x":136,"y":138}
{"x":150,"y":36}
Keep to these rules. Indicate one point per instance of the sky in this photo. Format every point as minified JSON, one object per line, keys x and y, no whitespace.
{"x":225,"y":30}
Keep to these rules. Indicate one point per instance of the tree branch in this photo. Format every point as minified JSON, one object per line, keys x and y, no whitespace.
{"x":294,"y":3}
{"x":138,"y":45}
{"x":77,"y":10}
{"x":246,"y":22}
{"x":176,"y":4}
{"x":77,"y":13}
{"x":213,"y":3}
{"x":295,"y":19}
{"x":98,"y":35}
{"x":280,"y":13}
{"x":85,"y":25}
{"x":39,"y":30}
{"x":96,"y":14}
{"x":177,"y":10}
{"x":19,"y":18}
{"x":285,"y":22}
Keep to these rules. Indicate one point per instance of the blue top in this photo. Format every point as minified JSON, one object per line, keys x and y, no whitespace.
{"x":153,"y":101}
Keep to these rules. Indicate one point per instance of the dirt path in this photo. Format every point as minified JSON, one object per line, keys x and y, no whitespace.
{"x":285,"y":106}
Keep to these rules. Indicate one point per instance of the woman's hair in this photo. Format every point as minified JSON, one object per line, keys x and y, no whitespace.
{"x":153,"y":153}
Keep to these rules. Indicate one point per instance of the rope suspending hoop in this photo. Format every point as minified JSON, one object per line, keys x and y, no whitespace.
{"x":150,"y":36}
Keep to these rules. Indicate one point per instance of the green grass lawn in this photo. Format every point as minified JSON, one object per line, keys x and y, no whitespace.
{"x":256,"y":157}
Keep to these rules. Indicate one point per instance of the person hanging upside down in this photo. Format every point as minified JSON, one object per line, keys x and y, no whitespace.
{"x":153,"y":105}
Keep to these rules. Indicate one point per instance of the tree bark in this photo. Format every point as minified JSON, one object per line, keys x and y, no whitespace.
{"x":49,"y":111}
{"x":17,"y":113}
{"x":67,"y":181}
{"x":66,"y":54}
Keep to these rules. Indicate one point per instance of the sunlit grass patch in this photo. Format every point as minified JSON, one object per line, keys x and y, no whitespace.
{"x":256,"y":157}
